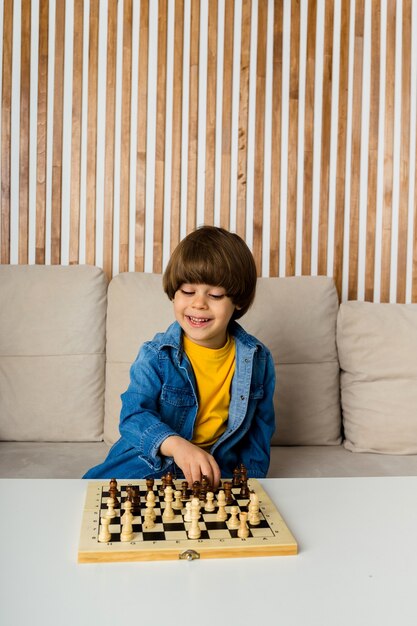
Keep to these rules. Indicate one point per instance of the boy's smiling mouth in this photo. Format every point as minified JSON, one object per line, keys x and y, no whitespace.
{"x":197,"y":321}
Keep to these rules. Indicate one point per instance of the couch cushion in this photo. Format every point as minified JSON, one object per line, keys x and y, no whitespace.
{"x":52,"y":343}
{"x":295,"y":317}
{"x":377,"y":346}
{"x":137,"y":309}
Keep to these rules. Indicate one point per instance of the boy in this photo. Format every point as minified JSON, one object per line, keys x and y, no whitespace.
{"x":200,"y":398}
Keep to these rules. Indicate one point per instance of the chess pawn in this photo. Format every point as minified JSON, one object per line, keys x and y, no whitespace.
{"x":177,"y":505}
{"x":149,"y":523}
{"x":243,"y":531}
{"x":150,"y":504}
{"x":195,"y":531}
{"x":128,"y":511}
{"x":168,"y":514}
{"x":234,"y":523}
{"x":127,"y":529}
{"x":187,"y":516}
{"x":110,"y":513}
{"x":221,"y":501}
{"x":209,"y":507}
{"x":104,"y":535}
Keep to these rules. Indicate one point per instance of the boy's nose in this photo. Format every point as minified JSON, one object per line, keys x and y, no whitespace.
{"x":200,"y":302}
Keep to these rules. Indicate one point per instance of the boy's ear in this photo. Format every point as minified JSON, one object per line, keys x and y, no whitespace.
{"x":238,"y":308}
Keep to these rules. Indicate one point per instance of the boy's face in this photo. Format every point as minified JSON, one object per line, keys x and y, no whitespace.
{"x":203,"y":312}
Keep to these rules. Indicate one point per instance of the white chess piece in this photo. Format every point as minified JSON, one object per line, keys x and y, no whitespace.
{"x":254,"y":518}
{"x":150,"y":503}
{"x":168,"y":514}
{"x":243,"y":531}
{"x":177,"y":505}
{"x":127,"y":529}
{"x":221,"y":501}
{"x":233,"y":523}
{"x":187,"y":516}
{"x":210,"y":506}
{"x":194,"y":531}
{"x":104,"y":535}
{"x":110,"y":513}
{"x":149,"y":523}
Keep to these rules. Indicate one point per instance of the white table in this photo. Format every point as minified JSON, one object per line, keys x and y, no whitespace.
{"x":357,"y":563}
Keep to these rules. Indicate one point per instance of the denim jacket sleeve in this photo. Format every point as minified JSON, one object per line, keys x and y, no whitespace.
{"x":140,"y":421}
{"x":254,"y":447}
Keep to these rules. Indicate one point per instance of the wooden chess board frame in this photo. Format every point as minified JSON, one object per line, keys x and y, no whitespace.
{"x":272,"y":538}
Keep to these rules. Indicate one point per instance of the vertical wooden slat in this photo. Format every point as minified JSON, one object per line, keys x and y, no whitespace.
{"x":414,"y":255}
{"x":356,"y":152}
{"x":405,"y":152}
{"x":341,"y":146}
{"x":227,"y":113}
{"x":325,"y":138}
{"x":24,"y":131}
{"x":388,"y":151}
{"x":177,"y":124}
{"x":125,"y":138}
{"x":6,"y":122}
{"x":309,"y":136}
{"x":141,"y":136}
{"x":373,"y":151}
{"x":110,"y":139}
{"x":211,"y":113}
{"x":258,"y":195}
{"x":160,"y":138}
{"x":193,"y":116}
{"x":76,"y":132}
{"x":90,"y":243}
{"x":243,"y":118}
{"x":42,"y":131}
{"x":276,"y":142}
{"x":57,"y":134}
{"x":293,"y":138}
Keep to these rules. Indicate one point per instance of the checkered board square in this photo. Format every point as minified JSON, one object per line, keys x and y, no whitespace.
{"x":169,"y":540}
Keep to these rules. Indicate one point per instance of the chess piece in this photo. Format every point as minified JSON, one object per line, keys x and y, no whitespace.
{"x":128,"y":511}
{"x":177,"y":505}
{"x":234,"y":523}
{"x":209,"y":507}
{"x":194,"y":531}
{"x":243,"y":531}
{"x":254,"y":518}
{"x":127,"y":528}
{"x":168,"y":514}
{"x":110,"y":513}
{"x":236,"y":477}
{"x":227,"y":486}
{"x":149,"y":484}
{"x":150,"y":504}
{"x":184,"y":491}
{"x":187,"y":516}
{"x":149,"y":522}
{"x":104,"y":535}
{"x":221,"y":501}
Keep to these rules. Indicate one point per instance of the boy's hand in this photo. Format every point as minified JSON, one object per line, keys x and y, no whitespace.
{"x":192,"y":460}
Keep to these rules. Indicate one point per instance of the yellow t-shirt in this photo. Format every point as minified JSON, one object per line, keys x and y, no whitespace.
{"x":213,"y":370}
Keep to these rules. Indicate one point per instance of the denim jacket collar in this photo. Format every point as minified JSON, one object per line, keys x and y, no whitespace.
{"x":172,"y":337}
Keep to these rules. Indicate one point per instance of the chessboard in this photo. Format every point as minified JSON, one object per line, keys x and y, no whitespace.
{"x":232,"y":522}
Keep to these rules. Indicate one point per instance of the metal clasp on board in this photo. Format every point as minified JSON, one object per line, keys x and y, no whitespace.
{"x":189,"y":555}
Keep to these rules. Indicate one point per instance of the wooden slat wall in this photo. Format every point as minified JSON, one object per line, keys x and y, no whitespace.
{"x":291,"y":122}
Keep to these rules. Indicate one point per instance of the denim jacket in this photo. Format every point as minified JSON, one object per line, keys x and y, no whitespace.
{"x":162,"y":400}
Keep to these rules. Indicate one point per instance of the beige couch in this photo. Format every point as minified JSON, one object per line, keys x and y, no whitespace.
{"x":346,"y":396}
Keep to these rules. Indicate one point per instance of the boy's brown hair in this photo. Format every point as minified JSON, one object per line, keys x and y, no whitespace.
{"x":214,"y":256}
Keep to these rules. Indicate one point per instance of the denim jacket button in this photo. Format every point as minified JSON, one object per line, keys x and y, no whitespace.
{"x":242,"y":397}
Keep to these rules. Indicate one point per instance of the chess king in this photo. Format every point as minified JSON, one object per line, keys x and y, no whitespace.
{"x":200,"y":398}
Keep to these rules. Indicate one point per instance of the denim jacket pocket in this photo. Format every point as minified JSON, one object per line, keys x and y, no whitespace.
{"x":177,"y":396}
